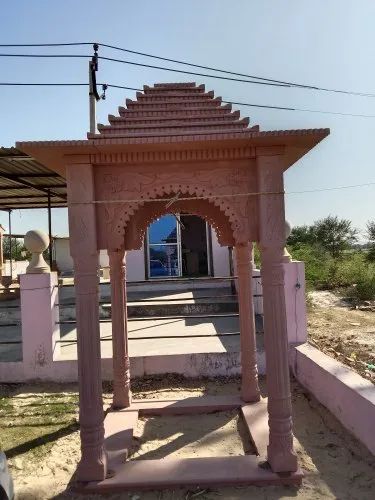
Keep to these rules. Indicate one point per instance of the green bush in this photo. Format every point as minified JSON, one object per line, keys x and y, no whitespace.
{"x":364,"y":289}
{"x":317,"y":263}
{"x":352,"y":271}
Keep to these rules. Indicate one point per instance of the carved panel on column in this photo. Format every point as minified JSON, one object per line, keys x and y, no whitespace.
{"x":271,"y":206}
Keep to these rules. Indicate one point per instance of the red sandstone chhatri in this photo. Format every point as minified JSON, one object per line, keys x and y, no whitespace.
{"x":178,"y":141}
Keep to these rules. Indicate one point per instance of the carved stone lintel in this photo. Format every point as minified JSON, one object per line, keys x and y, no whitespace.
{"x":121,"y":363}
{"x":249,"y":387}
{"x":162,"y":156}
{"x":234,"y":216}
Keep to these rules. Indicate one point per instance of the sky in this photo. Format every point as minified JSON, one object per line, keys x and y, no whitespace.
{"x":327,"y":44}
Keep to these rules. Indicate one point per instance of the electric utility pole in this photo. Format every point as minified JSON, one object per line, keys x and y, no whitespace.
{"x":93,"y":92}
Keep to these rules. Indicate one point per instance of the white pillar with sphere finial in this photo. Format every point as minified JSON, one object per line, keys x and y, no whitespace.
{"x":39,"y":309}
{"x":36,"y":242}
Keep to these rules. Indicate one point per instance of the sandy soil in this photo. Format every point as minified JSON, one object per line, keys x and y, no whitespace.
{"x":343,"y":333}
{"x":335,"y":464}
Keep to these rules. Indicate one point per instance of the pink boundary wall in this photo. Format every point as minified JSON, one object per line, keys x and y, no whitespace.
{"x":347,"y":395}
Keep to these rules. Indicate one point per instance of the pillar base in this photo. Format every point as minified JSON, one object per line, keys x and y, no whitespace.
{"x":282,"y":461}
{"x":122,"y":400}
{"x":250,"y":395}
{"x":91,"y":469}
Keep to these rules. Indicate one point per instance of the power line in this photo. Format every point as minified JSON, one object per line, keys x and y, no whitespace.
{"x":252,"y":105}
{"x":210,"y":68}
{"x":52,"y":56}
{"x":332,"y":188}
{"x":45,"y":44}
{"x":11,"y":84}
{"x":305,"y":110}
{"x":132,"y":63}
{"x":218,"y":70}
{"x":123,"y":61}
{"x":169,"y":201}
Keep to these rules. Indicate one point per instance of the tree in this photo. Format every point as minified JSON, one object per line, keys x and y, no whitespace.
{"x":334,"y":234}
{"x":301,"y":235}
{"x":19,"y":252}
{"x":371,"y":236}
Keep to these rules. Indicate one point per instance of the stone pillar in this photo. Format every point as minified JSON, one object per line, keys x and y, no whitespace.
{"x":120,"y":356}
{"x":40,"y":330}
{"x":249,"y":386}
{"x":83,"y":248}
{"x":280,"y":453}
{"x":2,"y":230}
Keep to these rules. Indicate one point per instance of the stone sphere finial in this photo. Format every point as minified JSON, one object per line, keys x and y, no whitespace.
{"x":36,"y":242}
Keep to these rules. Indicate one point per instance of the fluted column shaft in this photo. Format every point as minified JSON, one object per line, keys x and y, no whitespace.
{"x":83,"y":248}
{"x":249,"y":384}
{"x":91,"y":416}
{"x":120,"y":356}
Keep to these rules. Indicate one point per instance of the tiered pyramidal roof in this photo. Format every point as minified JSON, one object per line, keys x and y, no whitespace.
{"x":177,"y":110}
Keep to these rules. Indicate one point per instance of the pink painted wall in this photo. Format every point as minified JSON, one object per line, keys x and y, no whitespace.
{"x":39,"y":294}
{"x":350,"y":397}
{"x":295,"y":302}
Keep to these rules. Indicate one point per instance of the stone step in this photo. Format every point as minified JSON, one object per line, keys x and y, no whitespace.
{"x":139,"y":310}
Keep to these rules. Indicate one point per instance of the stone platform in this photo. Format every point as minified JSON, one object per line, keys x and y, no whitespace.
{"x":126,"y":474}
{"x":198,"y":334}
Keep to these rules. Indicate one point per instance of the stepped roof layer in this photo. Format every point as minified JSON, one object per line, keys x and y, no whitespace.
{"x":169,"y":116}
{"x":174,"y":110}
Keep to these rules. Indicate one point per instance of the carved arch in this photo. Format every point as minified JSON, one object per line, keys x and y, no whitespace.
{"x":146,"y":214}
{"x":229,"y":215}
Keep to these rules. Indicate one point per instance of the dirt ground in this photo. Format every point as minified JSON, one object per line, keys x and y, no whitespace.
{"x":341,"y":332}
{"x":39,"y":432}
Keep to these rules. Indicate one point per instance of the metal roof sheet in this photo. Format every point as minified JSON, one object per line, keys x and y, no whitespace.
{"x":26,"y":183}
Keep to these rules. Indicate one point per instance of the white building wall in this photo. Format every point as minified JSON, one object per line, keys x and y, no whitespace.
{"x":220,"y":257}
{"x":63,"y":258}
{"x":135,"y":265}
{"x":103,"y":258}
{"x":135,"y":259}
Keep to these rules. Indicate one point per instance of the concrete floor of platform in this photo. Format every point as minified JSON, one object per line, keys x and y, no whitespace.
{"x":148,"y":338}
{"x":153,"y":337}
{"x":167,"y":336}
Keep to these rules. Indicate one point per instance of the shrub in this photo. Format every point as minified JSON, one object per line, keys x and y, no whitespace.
{"x":352,"y":271}
{"x":364,"y":289}
{"x":317,"y":263}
